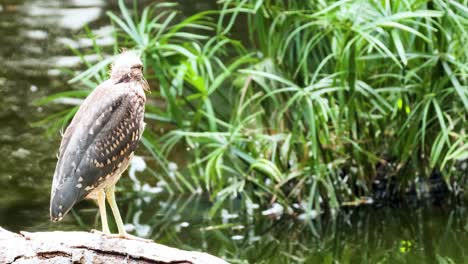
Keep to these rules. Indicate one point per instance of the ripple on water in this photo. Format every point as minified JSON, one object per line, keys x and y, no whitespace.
{"x":70,"y":18}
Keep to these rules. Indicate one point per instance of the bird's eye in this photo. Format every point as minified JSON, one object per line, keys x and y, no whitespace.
{"x":137,"y":67}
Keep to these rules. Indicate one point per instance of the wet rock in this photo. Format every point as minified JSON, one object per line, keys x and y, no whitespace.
{"x":385,"y":189}
{"x":460,"y":181}
{"x":411,"y":196}
{"x":438,"y":188}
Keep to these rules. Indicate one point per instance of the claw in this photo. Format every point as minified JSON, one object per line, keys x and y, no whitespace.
{"x":132,"y":237}
{"x":95,"y":231}
{"x":122,"y":236}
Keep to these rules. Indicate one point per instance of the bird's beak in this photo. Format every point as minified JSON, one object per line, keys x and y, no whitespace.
{"x":145,"y":84}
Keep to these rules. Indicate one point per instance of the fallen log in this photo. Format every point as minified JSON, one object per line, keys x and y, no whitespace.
{"x":83,"y":247}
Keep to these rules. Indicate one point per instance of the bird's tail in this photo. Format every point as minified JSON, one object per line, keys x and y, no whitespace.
{"x":62,"y":200}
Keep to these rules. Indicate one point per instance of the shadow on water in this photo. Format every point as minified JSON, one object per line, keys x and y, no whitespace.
{"x":35,"y":41}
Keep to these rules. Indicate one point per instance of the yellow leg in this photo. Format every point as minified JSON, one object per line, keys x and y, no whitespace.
{"x":110,"y":193}
{"x":101,"y":199}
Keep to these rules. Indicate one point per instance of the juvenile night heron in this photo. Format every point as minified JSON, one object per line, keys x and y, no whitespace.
{"x":98,"y":145}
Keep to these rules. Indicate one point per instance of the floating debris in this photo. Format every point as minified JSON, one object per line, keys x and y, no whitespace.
{"x":138,"y":164}
{"x":179,"y":227}
{"x":254,"y":239}
{"x":36,"y":34}
{"x":149,"y":189}
{"x":310,"y":215}
{"x":53,"y":72}
{"x":251,"y":207}
{"x":161,"y":184}
{"x":81,"y":16}
{"x":21,"y":153}
{"x":72,"y":61}
{"x":464,"y":166}
{"x":184,"y":224}
{"x":358,"y":202}
{"x":68,"y":101}
{"x":129,"y":227}
{"x":172,"y":166}
{"x":171,"y":175}
{"x":87,"y":3}
{"x":276,"y":210}
{"x":103,"y":37}
{"x":141,"y":230}
{"x":226,"y":216}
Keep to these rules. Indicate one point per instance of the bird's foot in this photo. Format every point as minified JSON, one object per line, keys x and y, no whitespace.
{"x":95,"y":231}
{"x":132,"y":237}
{"x":103,"y":233}
{"x":124,"y":236}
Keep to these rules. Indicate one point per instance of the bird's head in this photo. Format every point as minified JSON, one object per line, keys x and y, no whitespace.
{"x":127,"y":67}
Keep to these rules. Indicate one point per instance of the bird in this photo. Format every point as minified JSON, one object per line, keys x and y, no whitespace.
{"x":99,"y":142}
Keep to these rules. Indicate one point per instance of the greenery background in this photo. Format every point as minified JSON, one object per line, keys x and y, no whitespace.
{"x":33,"y":37}
{"x":301,"y":105}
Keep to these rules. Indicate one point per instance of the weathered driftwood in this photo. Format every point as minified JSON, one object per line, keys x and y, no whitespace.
{"x":82,"y":247}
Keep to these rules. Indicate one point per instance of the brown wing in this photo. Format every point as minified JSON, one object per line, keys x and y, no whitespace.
{"x":105,"y":131}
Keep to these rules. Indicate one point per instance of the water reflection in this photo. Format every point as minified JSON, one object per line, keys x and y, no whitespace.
{"x":364,"y":235}
{"x":70,"y":18}
{"x":103,"y":37}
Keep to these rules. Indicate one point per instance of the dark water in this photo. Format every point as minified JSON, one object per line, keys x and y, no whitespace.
{"x":34,"y":39}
